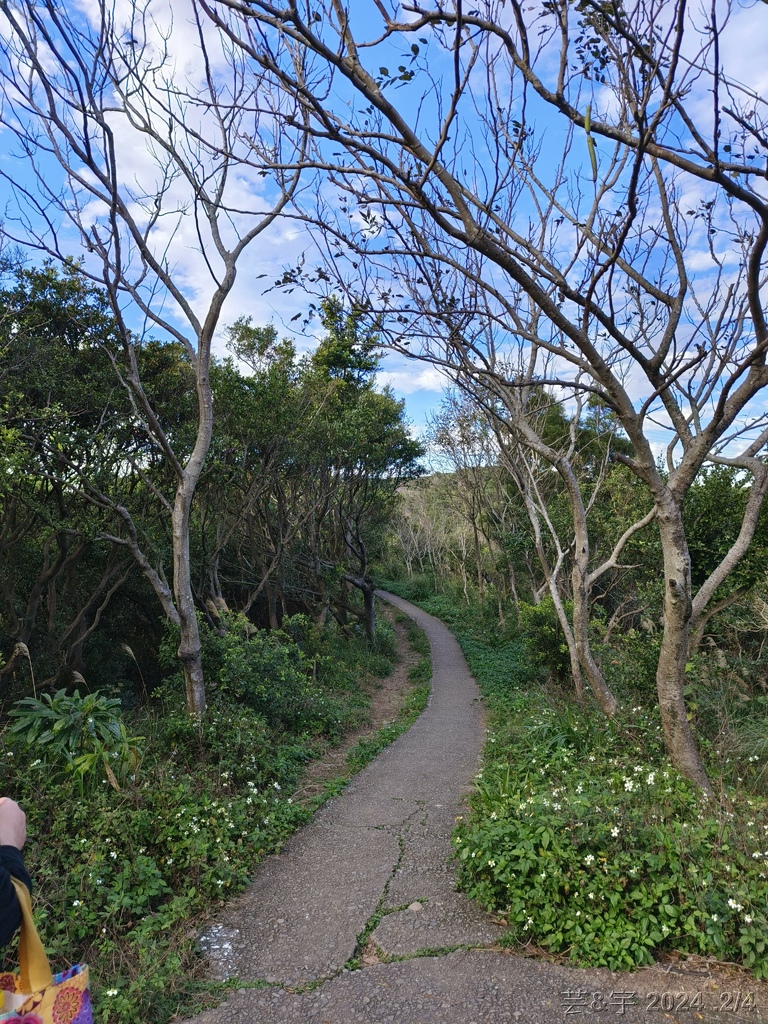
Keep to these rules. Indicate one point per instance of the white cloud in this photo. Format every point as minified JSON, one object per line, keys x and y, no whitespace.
{"x":417,"y":378}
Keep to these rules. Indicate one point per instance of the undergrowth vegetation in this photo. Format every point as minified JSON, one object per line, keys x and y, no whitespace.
{"x":581,"y":835}
{"x":141,"y":823}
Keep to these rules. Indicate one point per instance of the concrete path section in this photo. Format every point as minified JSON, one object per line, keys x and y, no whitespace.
{"x":483,"y":986}
{"x":381,"y":846}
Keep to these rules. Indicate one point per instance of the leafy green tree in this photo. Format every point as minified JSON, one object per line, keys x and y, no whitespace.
{"x":306,"y":461}
{"x":84,"y":486}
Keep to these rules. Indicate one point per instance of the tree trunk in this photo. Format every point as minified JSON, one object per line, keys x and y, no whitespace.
{"x":579,"y":580}
{"x":573,"y":651}
{"x":513,"y":588}
{"x":369,"y":603}
{"x":480,"y":586}
{"x":670,"y":674}
{"x":190,"y":650}
{"x":272,"y":606}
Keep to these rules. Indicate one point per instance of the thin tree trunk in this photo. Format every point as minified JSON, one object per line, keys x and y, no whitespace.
{"x":272,"y":606}
{"x":670,"y":674}
{"x":513,"y":588}
{"x":581,"y":589}
{"x":480,"y":585}
{"x":190,"y":648}
{"x":369,"y":603}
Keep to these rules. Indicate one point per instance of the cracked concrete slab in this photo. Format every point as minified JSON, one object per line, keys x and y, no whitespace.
{"x":493,"y":987}
{"x":286,"y":929}
{"x":440,"y":922}
{"x":424,"y":870}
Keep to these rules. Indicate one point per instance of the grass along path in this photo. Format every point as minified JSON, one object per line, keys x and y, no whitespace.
{"x":396,"y":701}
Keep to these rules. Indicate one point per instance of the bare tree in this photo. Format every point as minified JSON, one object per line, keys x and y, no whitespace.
{"x":129,"y":126}
{"x":581,"y":181}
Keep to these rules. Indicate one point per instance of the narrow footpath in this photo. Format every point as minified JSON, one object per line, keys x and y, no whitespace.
{"x":369,"y":880}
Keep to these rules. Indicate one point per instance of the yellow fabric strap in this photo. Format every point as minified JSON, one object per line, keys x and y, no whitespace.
{"x":35,"y":973}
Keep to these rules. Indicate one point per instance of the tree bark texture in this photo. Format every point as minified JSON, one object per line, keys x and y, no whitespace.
{"x":670,"y":674}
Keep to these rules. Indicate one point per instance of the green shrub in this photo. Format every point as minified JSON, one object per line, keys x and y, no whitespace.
{"x":81,"y":735}
{"x":613,"y":859}
{"x":267,"y":671}
{"x":418,"y":587}
{"x":545,"y":636}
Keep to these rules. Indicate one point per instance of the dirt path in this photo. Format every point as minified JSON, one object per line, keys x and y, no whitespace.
{"x":387,"y":696}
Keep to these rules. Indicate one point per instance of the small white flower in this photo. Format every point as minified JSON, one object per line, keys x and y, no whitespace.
{"x":76,"y":903}
{"x":589,"y":859}
{"x":615,"y":831}
{"x":113,"y":855}
{"x":491,"y":863}
{"x":747,"y":919}
{"x":111,"y":991}
{"x":714,"y":917}
{"x":494,"y":816}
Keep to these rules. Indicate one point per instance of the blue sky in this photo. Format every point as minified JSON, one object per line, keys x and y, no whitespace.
{"x":286,"y":241}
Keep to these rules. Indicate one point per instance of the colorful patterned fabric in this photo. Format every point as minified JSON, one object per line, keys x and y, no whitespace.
{"x":34,"y":996}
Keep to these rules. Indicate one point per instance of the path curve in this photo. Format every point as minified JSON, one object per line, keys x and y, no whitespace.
{"x":383,"y":843}
{"x":374,"y":862}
